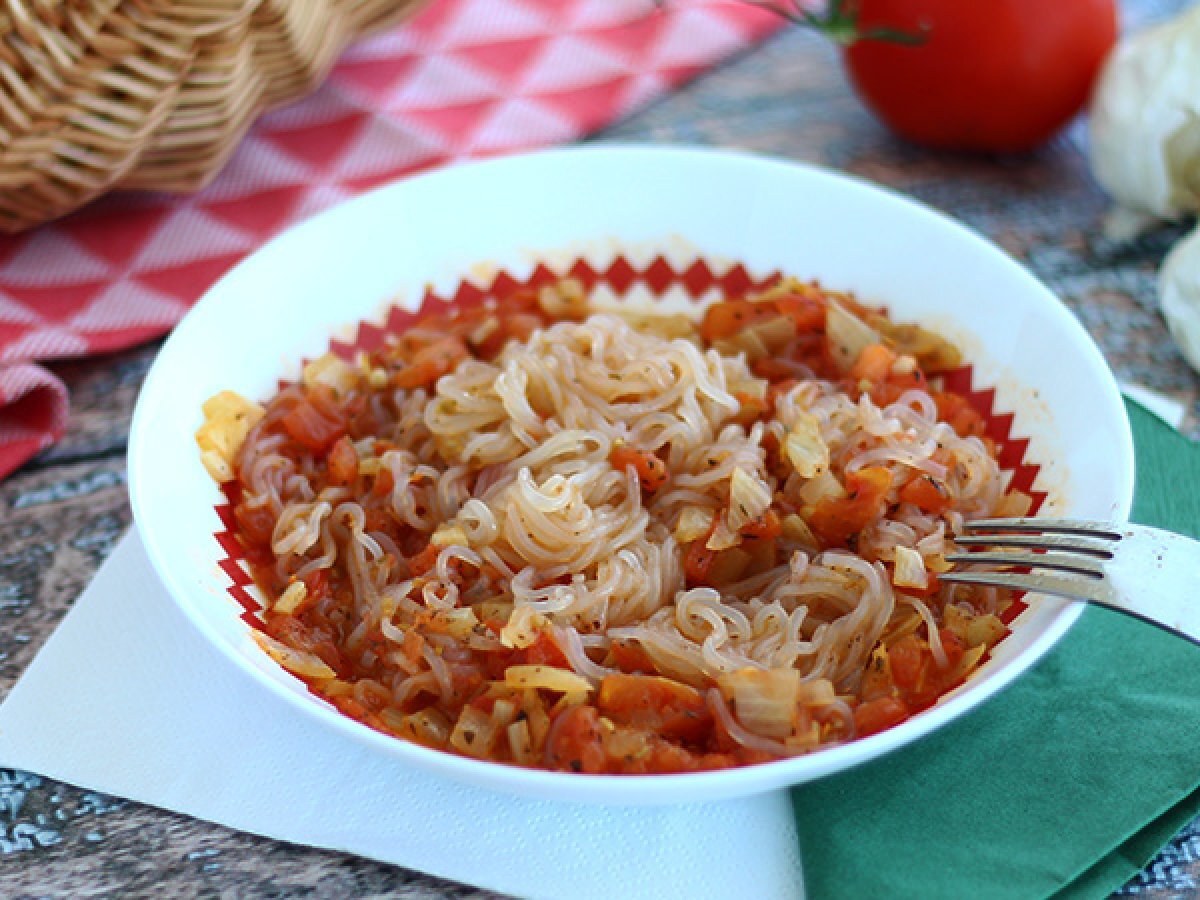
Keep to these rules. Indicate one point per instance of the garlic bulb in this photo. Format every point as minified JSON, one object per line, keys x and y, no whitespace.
{"x":1145,"y":120}
{"x":1179,"y":294}
{"x":1145,"y":151}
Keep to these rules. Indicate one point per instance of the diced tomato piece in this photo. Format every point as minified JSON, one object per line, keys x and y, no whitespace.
{"x":910,"y":659}
{"x":889,"y":390}
{"x":522,"y":300}
{"x":915,"y":673}
{"x":651,"y":471}
{"x":316,"y":590}
{"x":412,"y":647}
{"x":544,"y":652}
{"x":662,"y":705}
{"x":696,"y":563}
{"x":773,"y":369}
{"x":835,"y":520}
{"x":342,"y":461}
{"x":957,"y":412}
{"x":256,"y":524}
{"x":665,"y":757}
{"x":926,"y":494}
{"x":952,"y":644}
{"x":312,"y":428}
{"x":874,"y":363}
{"x":806,"y":312}
{"x":431,"y":362}
{"x":723,"y":320}
{"x":764,"y":528}
{"x":425,"y":560}
{"x":574,"y":742}
{"x":521,"y":326}
{"x":466,"y":678}
{"x":628,"y":656}
{"x":348,"y":706}
{"x":879,"y":715}
{"x":385,"y":481}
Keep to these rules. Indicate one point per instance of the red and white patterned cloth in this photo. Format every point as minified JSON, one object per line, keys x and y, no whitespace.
{"x":466,"y":78}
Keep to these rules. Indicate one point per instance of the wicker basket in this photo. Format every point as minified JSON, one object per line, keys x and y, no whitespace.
{"x":152,"y":94}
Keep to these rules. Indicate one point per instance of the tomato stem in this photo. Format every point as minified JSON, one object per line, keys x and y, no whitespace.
{"x":838,"y":22}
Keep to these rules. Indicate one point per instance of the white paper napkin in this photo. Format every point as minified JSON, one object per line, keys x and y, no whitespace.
{"x":126,"y":698}
{"x":1167,"y":409}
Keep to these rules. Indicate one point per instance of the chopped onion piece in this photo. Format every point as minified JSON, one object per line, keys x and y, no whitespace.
{"x":723,"y":537}
{"x":751,"y":387}
{"x":504,"y":713}
{"x":549,"y":678}
{"x":804,"y":448}
{"x":291,"y":598}
{"x":823,"y":484}
{"x":450,"y":535}
{"x":985,"y":631}
{"x":458,"y":622}
{"x":521,"y":743}
{"x":483,"y":331}
{"x":649,"y":321}
{"x":937,"y":564}
{"x":749,"y":498}
{"x":564,"y":299}
{"x":298,"y":662}
{"x":228,"y":417}
{"x":775,"y":333}
{"x":694,"y":523}
{"x":426,"y":726}
{"x":848,"y":336}
{"x":523,"y":628}
{"x":818,"y":692}
{"x":966,"y":665}
{"x":796,"y":529}
{"x":765,"y":700}
{"x":218,"y":469}
{"x":332,"y":371}
{"x":473,"y":733}
{"x":910,"y":569}
{"x":1014,"y":504}
{"x":747,"y":342}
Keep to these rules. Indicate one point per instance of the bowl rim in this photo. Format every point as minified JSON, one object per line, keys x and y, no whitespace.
{"x":717,"y":784}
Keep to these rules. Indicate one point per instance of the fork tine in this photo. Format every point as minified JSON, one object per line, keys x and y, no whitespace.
{"x":1059,"y":586}
{"x":1059,"y":562}
{"x":1051,"y":526}
{"x":1066,"y":543}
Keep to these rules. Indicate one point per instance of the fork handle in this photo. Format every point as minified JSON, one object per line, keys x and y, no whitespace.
{"x":1156,"y":577}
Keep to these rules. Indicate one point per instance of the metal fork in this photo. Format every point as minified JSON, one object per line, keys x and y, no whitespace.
{"x":1147,"y":573}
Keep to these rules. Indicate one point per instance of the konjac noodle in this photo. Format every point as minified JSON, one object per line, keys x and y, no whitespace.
{"x":551,"y":534}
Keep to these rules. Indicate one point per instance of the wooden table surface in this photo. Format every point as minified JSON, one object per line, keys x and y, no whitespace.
{"x":62,"y":513}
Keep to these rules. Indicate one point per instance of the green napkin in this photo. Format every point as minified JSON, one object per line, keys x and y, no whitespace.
{"x":1064,"y":785}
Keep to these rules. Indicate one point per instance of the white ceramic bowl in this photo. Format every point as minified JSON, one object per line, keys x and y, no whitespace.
{"x":350,"y":263}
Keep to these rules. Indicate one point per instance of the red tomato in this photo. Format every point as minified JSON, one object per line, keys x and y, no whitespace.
{"x":574,"y":741}
{"x":990,"y":75}
{"x":667,"y":707}
{"x":878,"y":715}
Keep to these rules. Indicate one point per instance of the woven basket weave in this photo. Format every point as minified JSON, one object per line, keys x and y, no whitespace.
{"x":153,"y":94}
